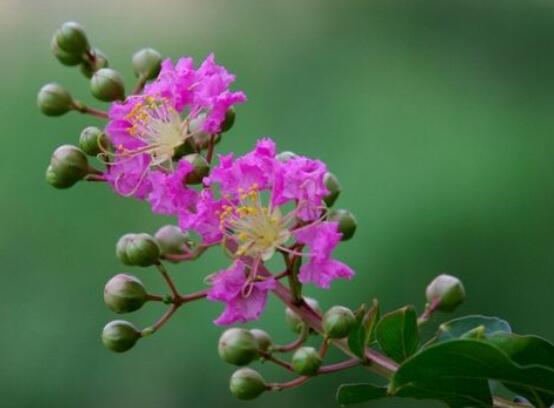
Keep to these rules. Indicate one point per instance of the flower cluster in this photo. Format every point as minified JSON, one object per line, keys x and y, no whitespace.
{"x":254,"y":205}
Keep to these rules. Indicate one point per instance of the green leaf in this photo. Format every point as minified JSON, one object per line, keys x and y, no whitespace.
{"x":356,"y":393}
{"x":525,"y":351}
{"x":457,"y":328}
{"x":364,"y":328}
{"x":445,"y":367}
{"x":397,"y":333}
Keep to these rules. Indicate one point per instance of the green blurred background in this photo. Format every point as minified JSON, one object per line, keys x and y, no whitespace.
{"x":437,"y":116}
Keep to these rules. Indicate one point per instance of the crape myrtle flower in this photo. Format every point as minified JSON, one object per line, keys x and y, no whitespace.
{"x":256,"y":205}
{"x":147,"y":129}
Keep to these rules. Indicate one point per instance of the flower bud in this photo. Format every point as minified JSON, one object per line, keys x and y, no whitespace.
{"x":294,"y":321}
{"x":333,"y":185}
{"x":120,"y":336}
{"x":71,"y":38}
{"x":237,"y":346}
{"x":346,"y":220}
{"x":121,"y":248}
{"x":200,"y":168}
{"x":306,"y":361}
{"x":448,"y":289}
{"x":107,"y":85}
{"x":91,"y":139}
{"x":147,"y":63}
{"x":54,"y":100}
{"x":67,"y":166}
{"x":229,"y":120}
{"x":124,"y":293}
{"x":247,"y":384}
{"x":285,"y":156}
{"x":64,"y":57}
{"x":338,"y":322}
{"x":140,"y":250}
{"x":100,"y":61}
{"x":262,"y":339}
{"x":171,"y":239}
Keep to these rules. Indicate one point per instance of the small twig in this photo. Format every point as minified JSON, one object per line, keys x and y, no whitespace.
{"x":267,"y":356}
{"x":165,"y":317}
{"x":81,"y":107}
{"x":182,"y":299}
{"x":210,"y":153}
{"x":140,"y":85}
{"x":333,"y":368}
{"x":155,"y":298}
{"x":429,"y":310}
{"x":324,"y":347}
{"x":295,"y":344}
{"x":190,"y":256}
{"x":95,"y":178}
{"x":169,"y":281}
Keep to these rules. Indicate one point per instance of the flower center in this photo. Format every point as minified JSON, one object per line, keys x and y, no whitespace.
{"x":258,"y":230}
{"x":160,"y":126}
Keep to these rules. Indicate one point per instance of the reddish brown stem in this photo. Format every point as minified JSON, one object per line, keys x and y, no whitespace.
{"x":169,"y":282}
{"x":267,"y":356}
{"x":154,"y":298}
{"x":165,"y":317}
{"x":210,"y":153}
{"x":429,"y":310}
{"x":295,"y":344}
{"x":192,"y":296}
{"x":81,"y":107}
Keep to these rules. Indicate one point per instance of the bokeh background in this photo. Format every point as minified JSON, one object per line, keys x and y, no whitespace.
{"x":436,"y":116}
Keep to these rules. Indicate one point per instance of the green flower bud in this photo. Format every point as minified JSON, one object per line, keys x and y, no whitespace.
{"x":147,"y":63}
{"x":229,"y":120}
{"x":285,"y":156}
{"x":449,"y":289}
{"x":200,"y":168}
{"x":91,"y":139}
{"x":121,"y":248}
{"x":262,"y":339}
{"x":294,"y":321}
{"x":171,"y":239}
{"x":100,"y":61}
{"x":184,"y":149}
{"x":306,"y":361}
{"x":71,"y":38}
{"x":54,"y":100}
{"x":67,"y":166}
{"x":247,"y":384}
{"x":347,"y":222}
{"x":120,"y":336}
{"x":107,"y":85}
{"x":338,"y":322}
{"x":333,"y":185}
{"x":124,"y":293}
{"x":142,"y":250}
{"x":200,"y":138}
{"x":237,"y":346}
{"x":64,"y":57}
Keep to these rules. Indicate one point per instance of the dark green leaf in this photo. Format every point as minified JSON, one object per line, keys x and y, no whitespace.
{"x":457,"y":328}
{"x":363,"y":330}
{"x":525,"y":351}
{"x":397,"y":333}
{"x":471,"y":363}
{"x":356,"y":393}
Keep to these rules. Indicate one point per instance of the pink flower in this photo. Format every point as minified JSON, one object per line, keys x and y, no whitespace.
{"x":244,"y":296}
{"x":321,"y":239}
{"x":264,"y":206}
{"x":169,"y":193}
{"x":155,"y":124}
